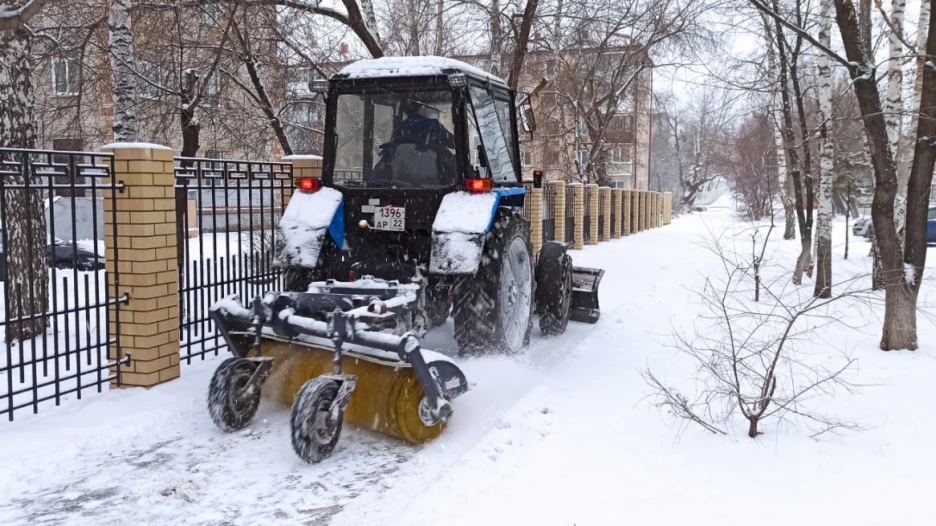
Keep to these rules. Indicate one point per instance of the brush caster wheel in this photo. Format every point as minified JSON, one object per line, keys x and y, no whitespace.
{"x":231,"y":404}
{"x":313,"y":437}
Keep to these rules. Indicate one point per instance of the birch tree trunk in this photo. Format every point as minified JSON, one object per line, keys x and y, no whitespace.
{"x":789,"y":231}
{"x":369,"y":18}
{"x":893,"y":108}
{"x":122,"y":61}
{"x":826,"y":164}
{"x":497,"y":39}
{"x":26,"y":246}
{"x":412,"y":10}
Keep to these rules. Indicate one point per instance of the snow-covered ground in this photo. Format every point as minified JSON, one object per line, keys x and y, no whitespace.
{"x":562,"y":434}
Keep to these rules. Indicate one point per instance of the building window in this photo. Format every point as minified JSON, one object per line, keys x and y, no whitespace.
{"x":150,"y":82}
{"x":304,"y":113}
{"x":552,"y":158}
{"x":620,"y":154}
{"x":526,"y":158}
{"x":582,"y":157}
{"x":211,"y":13}
{"x":65,"y":74}
{"x":213,"y":90}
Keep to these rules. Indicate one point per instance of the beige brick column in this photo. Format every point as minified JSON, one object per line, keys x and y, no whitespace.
{"x":536,"y":220}
{"x":144,"y":253}
{"x":667,"y":208}
{"x":578,"y":234}
{"x":626,"y":212}
{"x":641,"y":211}
{"x":651,"y":221}
{"x":303,"y":166}
{"x":593,"y":222}
{"x":659,"y":210}
{"x":634,"y":210}
{"x":656,"y":209}
{"x":606,"y":226}
{"x":617,"y":206}
{"x":559,"y":209}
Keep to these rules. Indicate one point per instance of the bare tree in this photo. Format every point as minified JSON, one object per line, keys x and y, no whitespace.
{"x":823,"y":287}
{"x":122,"y":60}
{"x":749,"y":367}
{"x":25,"y":226}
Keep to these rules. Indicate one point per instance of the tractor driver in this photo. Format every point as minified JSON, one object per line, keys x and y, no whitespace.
{"x":418,"y":154}
{"x":422,"y":126}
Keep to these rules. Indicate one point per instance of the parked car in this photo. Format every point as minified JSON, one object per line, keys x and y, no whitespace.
{"x":931,"y":226}
{"x":861,"y":227}
{"x":65,"y":255}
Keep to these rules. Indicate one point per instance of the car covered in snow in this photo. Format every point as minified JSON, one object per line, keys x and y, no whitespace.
{"x":64,"y":255}
{"x":862,"y":227}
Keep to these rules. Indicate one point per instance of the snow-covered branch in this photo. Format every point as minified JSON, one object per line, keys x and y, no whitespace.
{"x":19,"y":17}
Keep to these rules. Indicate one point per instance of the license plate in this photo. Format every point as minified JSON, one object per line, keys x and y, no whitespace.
{"x":391,"y":218}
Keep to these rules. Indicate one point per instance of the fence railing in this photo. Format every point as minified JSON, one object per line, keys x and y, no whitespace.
{"x":225,"y":257}
{"x":549,"y":213}
{"x":57,"y":306}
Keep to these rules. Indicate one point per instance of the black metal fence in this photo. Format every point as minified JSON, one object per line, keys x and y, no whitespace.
{"x":226,"y":228}
{"x":57,"y":308}
{"x":549,"y":213}
{"x":570,"y":214}
{"x":586,"y":220}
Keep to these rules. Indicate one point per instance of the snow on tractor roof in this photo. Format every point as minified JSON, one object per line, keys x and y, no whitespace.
{"x":410,"y":67}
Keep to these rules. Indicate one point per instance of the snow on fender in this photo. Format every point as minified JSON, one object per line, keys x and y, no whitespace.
{"x":458,"y":232}
{"x":302,"y":228}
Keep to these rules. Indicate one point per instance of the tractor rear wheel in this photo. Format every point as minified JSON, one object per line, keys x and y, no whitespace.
{"x":553,"y":288}
{"x":493,"y":308}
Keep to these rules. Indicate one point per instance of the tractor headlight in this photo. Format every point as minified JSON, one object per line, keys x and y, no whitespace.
{"x":457,"y":80}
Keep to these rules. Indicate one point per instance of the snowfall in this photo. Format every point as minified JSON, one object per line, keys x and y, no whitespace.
{"x":565,"y":433}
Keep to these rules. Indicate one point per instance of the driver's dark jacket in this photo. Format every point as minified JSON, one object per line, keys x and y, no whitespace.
{"x":422,"y":130}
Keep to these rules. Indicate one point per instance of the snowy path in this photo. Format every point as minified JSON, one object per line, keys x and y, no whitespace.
{"x":560,"y":435}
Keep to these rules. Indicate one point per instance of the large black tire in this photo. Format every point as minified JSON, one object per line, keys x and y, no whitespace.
{"x":230,"y":407}
{"x":553,"y":288}
{"x":311,"y":438}
{"x":482,"y":299}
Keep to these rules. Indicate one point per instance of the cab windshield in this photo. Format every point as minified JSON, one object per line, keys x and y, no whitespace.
{"x":395,"y":139}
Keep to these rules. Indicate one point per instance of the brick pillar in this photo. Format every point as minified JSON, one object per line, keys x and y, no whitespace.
{"x":606,"y":226}
{"x":303,"y":166}
{"x":593,"y":207}
{"x":578,"y":234}
{"x":144,"y":252}
{"x":626,"y":212}
{"x":559,"y":209}
{"x":656,"y":209}
{"x":641,"y":211}
{"x":659,"y":210}
{"x":617,"y":204}
{"x":634,"y":211}
{"x":536,"y":220}
{"x":667,"y":208}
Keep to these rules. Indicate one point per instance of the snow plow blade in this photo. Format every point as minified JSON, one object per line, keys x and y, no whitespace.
{"x":584,"y":302}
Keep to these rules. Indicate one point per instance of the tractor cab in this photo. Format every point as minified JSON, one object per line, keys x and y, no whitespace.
{"x":401,"y":134}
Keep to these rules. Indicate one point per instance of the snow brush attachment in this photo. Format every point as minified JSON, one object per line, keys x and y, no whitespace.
{"x":323,"y":353}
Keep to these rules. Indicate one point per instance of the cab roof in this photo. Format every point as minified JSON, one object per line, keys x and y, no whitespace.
{"x":412,"y":67}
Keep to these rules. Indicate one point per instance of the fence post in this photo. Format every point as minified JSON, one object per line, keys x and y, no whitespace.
{"x":536,"y":220}
{"x":304,"y":166}
{"x":656,"y":209}
{"x":606,"y":212}
{"x":593,"y":208}
{"x":626,"y":212}
{"x":578,"y":233}
{"x":651,"y":221}
{"x":559,"y":213}
{"x":659,"y":210}
{"x":634,"y":194}
{"x":618,"y":206}
{"x":148,"y":263}
{"x":667,"y":208}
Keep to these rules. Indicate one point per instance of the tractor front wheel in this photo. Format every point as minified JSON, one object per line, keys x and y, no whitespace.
{"x":493,"y":308}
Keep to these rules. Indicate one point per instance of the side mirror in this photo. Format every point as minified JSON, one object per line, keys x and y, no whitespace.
{"x":527,"y":120}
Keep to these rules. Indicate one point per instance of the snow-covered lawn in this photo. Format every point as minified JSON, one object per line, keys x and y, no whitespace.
{"x":562,"y":434}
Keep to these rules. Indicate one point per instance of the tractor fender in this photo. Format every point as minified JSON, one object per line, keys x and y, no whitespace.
{"x":304,"y":225}
{"x":460,"y":227}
